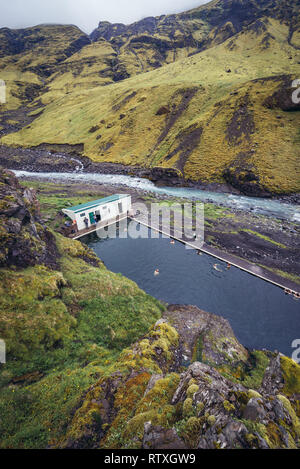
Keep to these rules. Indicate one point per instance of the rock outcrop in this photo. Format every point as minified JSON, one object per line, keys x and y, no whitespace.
{"x":24,"y":239}
{"x":191,"y":385}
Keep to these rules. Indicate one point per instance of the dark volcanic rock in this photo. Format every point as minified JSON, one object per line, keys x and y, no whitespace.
{"x":285,"y":97}
{"x":245,"y":181}
{"x":24,"y":240}
{"x":161,"y":438}
{"x":163,"y":110}
{"x":165,"y":177}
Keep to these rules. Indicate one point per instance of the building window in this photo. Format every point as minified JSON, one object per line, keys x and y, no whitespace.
{"x":82,"y":215}
{"x":120,"y":207}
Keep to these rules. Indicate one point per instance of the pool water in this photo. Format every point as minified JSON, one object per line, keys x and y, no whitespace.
{"x":261,"y":315}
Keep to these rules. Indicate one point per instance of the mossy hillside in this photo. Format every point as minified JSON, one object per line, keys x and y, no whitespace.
{"x":154,"y":42}
{"x":200,"y":94}
{"x":72,"y":302}
{"x":295,"y":420}
{"x":67,"y":326}
{"x":138,"y":389}
{"x":30,"y":55}
{"x":121,"y":399}
{"x":123,"y":387}
{"x":291,"y":376}
{"x":249,"y":374}
{"x":41,"y":318}
{"x":39,"y":42}
{"x":155,"y":406}
{"x":86,"y":69}
{"x":63,"y":57}
{"x":16,"y":82}
{"x":33,"y":414}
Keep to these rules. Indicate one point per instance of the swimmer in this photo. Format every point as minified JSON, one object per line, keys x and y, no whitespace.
{"x":199,"y":253}
{"x":172,"y":242}
{"x":156,"y":272}
{"x":216,"y":268}
{"x":228,"y":266}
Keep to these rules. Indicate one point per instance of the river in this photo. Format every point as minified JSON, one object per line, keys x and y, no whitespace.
{"x":268,"y":207}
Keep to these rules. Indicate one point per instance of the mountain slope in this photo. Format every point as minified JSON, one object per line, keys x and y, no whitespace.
{"x":29,"y":56}
{"x":153,"y":42}
{"x":223,"y":114}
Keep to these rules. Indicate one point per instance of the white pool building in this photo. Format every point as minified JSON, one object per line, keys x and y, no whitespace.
{"x":103,"y":210}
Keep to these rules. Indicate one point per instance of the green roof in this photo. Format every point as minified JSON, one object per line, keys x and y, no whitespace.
{"x":96,"y":203}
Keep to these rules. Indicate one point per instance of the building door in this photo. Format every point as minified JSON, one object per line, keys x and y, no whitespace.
{"x":92,"y":218}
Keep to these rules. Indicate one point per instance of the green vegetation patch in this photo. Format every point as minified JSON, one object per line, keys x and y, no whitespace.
{"x":265,"y":238}
{"x":291,"y":376}
{"x":62,"y":331}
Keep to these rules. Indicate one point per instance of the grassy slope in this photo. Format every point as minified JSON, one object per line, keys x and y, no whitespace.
{"x":68,"y":326}
{"x":44,"y":48}
{"x":130,"y":132}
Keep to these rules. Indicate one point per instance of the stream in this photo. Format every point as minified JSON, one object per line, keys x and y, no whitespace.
{"x":269,"y":207}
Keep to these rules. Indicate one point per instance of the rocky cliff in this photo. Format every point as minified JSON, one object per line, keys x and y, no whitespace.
{"x":155,"y":41}
{"x":24,"y":240}
{"x":189,"y":384}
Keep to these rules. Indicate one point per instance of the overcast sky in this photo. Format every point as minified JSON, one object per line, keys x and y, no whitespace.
{"x":86,"y":13}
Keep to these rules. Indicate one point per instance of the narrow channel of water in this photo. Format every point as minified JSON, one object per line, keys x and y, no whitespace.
{"x":261,"y":315}
{"x":268,"y":207}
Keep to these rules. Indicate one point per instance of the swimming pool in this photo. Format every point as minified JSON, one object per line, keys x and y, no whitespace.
{"x":261,"y":315}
